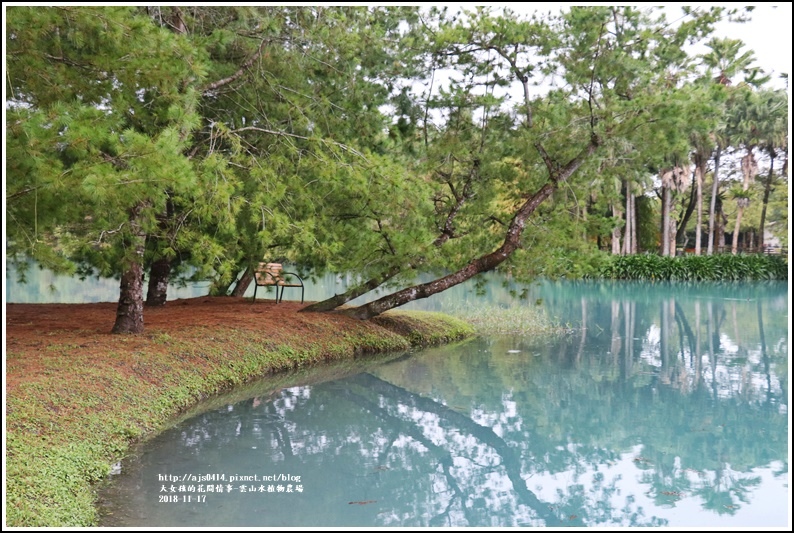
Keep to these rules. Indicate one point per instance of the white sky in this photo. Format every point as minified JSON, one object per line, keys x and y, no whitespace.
{"x":768,"y":34}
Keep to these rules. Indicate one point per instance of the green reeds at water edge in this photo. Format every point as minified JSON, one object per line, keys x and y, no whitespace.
{"x":722,"y":267}
{"x":498,"y":320}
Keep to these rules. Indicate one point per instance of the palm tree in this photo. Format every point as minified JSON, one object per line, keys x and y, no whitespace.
{"x":673,"y":179}
{"x":723,"y":62}
{"x":715,"y":191}
{"x":759,"y":120}
{"x":724,"y":58}
{"x":705,"y":120}
{"x":774,"y":142}
{"x":742,"y":198}
{"x":742,"y":124}
{"x":700,"y":158}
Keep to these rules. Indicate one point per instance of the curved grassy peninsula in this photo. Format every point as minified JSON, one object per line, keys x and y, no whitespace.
{"x":77,"y":397}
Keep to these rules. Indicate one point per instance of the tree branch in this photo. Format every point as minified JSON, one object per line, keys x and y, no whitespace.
{"x":294,"y":136}
{"x":225,"y":81}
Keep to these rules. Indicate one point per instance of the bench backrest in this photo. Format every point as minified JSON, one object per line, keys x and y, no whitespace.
{"x":269,"y":274}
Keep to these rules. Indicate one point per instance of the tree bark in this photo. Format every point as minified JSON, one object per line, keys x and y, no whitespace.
{"x":486,"y":262}
{"x":719,"y":230}
{"x":160,"y":270}
{"x":628,"y":230}
{"x":671,"y":233}
{"x":749,"y":170}
{"x":352,"y":293}
{"x":159,"y":274}
{"x":680,"y":234}
{"x":665,"y":220}
{"x":700,"y":173}
{"x":735,"y":240}
{"x":616,"y":231}
{"x":767,"y":189}
{"x":634,"y":245}
{"x":713,"y":207}
{"x":129,"y":313}
{"x":243,"y":283}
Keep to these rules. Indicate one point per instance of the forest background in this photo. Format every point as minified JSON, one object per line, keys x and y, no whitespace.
{"x":153,"y":143}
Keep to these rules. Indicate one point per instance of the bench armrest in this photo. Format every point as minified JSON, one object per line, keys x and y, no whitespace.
{"x":283,"y":282}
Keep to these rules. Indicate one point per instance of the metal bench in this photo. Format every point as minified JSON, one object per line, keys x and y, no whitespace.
{"x":273,"y":275}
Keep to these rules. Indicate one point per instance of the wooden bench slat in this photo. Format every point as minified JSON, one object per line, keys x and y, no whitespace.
{"x":272,"y":275}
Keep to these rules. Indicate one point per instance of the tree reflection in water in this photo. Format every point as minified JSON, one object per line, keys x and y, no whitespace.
{"x":651,"y":414}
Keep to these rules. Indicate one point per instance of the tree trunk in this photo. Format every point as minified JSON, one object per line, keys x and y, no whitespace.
{"x":665,"y":220}
{"x":749,"y":170}
{"x":616,"y":232}
{"x":129,"y":313}
{"x":700,"y":171}
{"x":680,"y":234}
{"x":159,"y":274}
{"x":447,"y":232}
{"x":719,"y":230}
{"x":160,"y":271}
{"x":735,"y":241}
{"x":634,"y":246}
{"x":486,"y":262}
{"x":713,"y":206}
{"x":767,"y":189}
{"x":627,"y":243}
{"x":352,"y":293}
{"x":243,"y":283}
{"x":671,"y":232}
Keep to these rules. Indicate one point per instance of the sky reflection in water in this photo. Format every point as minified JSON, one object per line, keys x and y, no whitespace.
{"x":669,"y":408}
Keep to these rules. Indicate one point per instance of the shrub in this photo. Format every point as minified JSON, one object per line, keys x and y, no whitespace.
{"x":724,"y":267}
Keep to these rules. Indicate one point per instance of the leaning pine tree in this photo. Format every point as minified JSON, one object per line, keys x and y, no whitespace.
{"x":620,"y":67}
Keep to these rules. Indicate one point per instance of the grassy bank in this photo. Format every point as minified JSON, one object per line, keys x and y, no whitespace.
{"x":77,"y":398}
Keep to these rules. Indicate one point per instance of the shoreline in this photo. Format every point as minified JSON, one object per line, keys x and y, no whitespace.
{"x":78,"y":398}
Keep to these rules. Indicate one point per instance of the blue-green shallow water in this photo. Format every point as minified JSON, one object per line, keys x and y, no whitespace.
{"x":669,"y":407}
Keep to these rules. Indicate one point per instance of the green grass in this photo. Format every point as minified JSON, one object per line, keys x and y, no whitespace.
{"x":64,"y":433}
{"x":525,"y":319}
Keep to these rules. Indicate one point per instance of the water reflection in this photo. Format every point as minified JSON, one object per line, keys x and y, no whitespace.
{"x":668,"y":407}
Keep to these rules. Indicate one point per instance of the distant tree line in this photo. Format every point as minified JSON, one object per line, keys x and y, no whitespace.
{"x":169,"y":142}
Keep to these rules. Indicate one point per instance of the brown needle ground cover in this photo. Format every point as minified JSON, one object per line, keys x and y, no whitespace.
{"x":78,"y":396}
